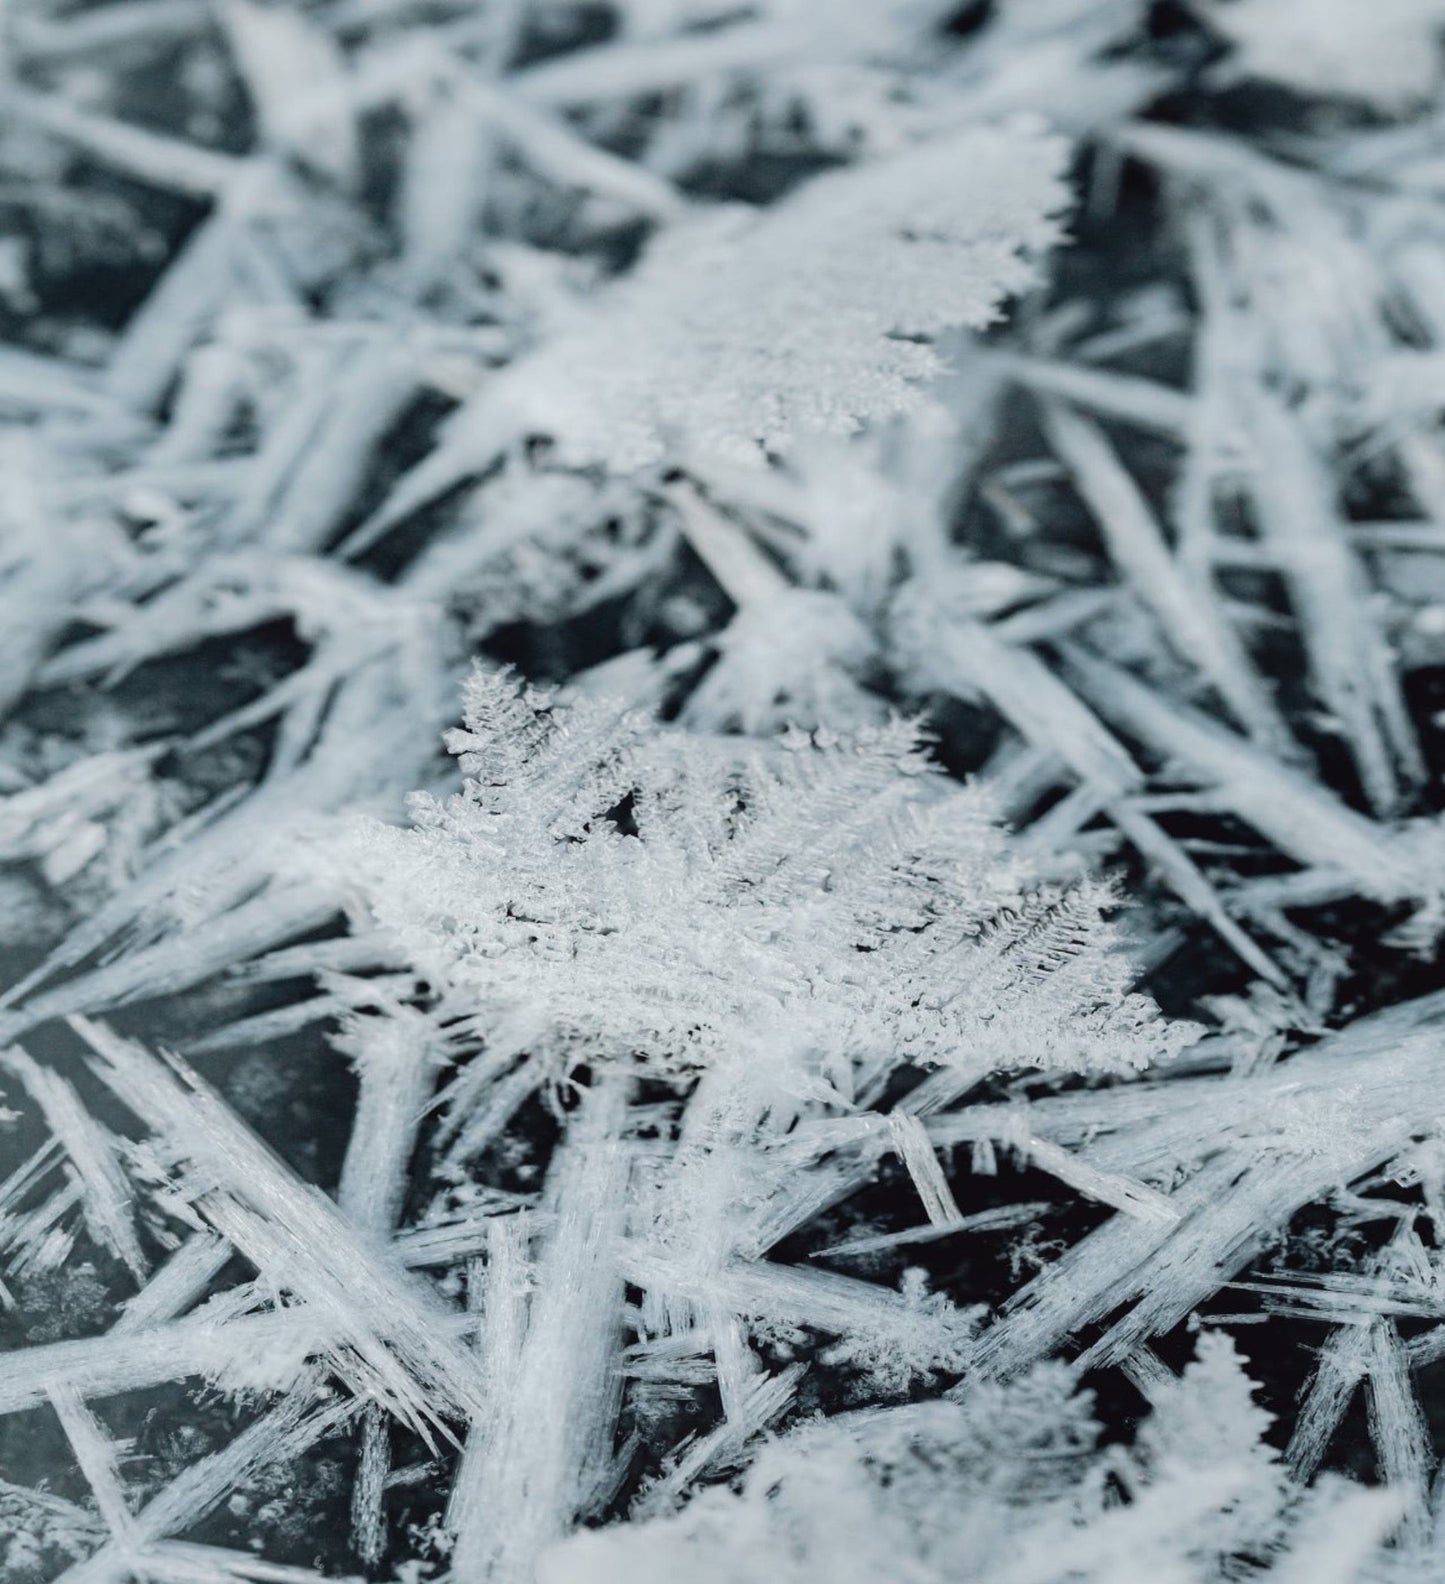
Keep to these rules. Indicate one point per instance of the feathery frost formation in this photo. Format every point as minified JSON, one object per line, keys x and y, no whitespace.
{"x":743,"y":332}
{"x":603,"y":890}
{"x":903,"y":1037}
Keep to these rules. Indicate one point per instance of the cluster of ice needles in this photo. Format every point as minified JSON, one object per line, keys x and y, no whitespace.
{"x":901,"y":1038}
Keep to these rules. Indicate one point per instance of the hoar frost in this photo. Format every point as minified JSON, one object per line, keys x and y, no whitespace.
{"x":740,"y":334}
{"x":604,"y":889}
{"x":671,"y":1153}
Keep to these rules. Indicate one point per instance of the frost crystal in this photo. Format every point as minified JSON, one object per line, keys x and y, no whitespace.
{"x":936,"y":908}
{"x":739,"y":333}
{"x":1005,"y":1483}
{"x":752,"y":332}
{"x":604,"y":889}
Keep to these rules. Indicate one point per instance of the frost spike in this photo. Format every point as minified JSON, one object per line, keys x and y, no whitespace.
{"x":916,"y":1151}
{"x":395,"y":1054}
{"x":1132,"y":1198}
{"x":368,"y":1519}
{"x":106,"y":1365}
{"x":107,"y":1201}
{"x":1183,"y":877}
{"x":297,"y":79}
{"x":378,"y":383}
{"x":178,"y":1284}
{"x":170,"y":966}
{"x":1398,"y":1428}
{"x":1146,"y":404}
{"x":96,"y":1455}
{"x":742,"y":571}
{"x":171,"y":320}
{"x":571,"y":160}
{"x":1298,"y":815}
{"x":1349,"y":659}
{"x":147,"y":156}
{"x":980,"y":1221}
{"x":499,"y":1290}
{"x":965,"y":657}
{"x":551,"y":1438}
{"x":1188,"y":616}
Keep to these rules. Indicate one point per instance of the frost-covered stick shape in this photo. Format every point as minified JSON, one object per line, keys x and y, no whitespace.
{"x":550,"y":1430}
{"x":742,"y":571}
{"x":188,"y":1562}
{"x":388,"y":1331}
{"x":1184,"y":878}
{"x":49,"y":386}
{"x":739,"y":333}
{"x":98,"y":1459}
{"x":1350,"y":659}
{"x":395,"y":1052}
{"x":91,"y":1149}
{"x":981,"y":1126}
{"x":377,"y":384}
{"x":916,"y":1151}
{"x":554,"y":147}
{"x":498,"y":1292}
{"x":1188,"y":613}
{"x":1131,"y":1198}
{"x":693,"y":1215}
{"x":1143,"y":404}
{"x":127,"y":147}
{"x":176,"y":1285}
{"x":395,"y":1055}
{"x":368,"y":1490}
{"x":185,"y":299}
{"x":289,"y":64}
{"x":1230,"y":1205}
{"x":942,"y":645}
{"x":1398,"y":1428}
{"x":178,"y":963}
{"x":40,"y":822}
{"x":127,"y":1361}
{"x":899,"y":1337}
{"x":1341,"y":1367}
{"x":1302,"y":818}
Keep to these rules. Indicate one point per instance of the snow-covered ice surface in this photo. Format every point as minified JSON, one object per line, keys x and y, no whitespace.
{"x":721,"y":847}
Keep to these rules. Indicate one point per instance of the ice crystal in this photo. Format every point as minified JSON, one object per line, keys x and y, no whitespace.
{"x":604,"y":889}
{"x":940,"y":508}
{"x":1005,"y":1483}
{"x":759,"y":330}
